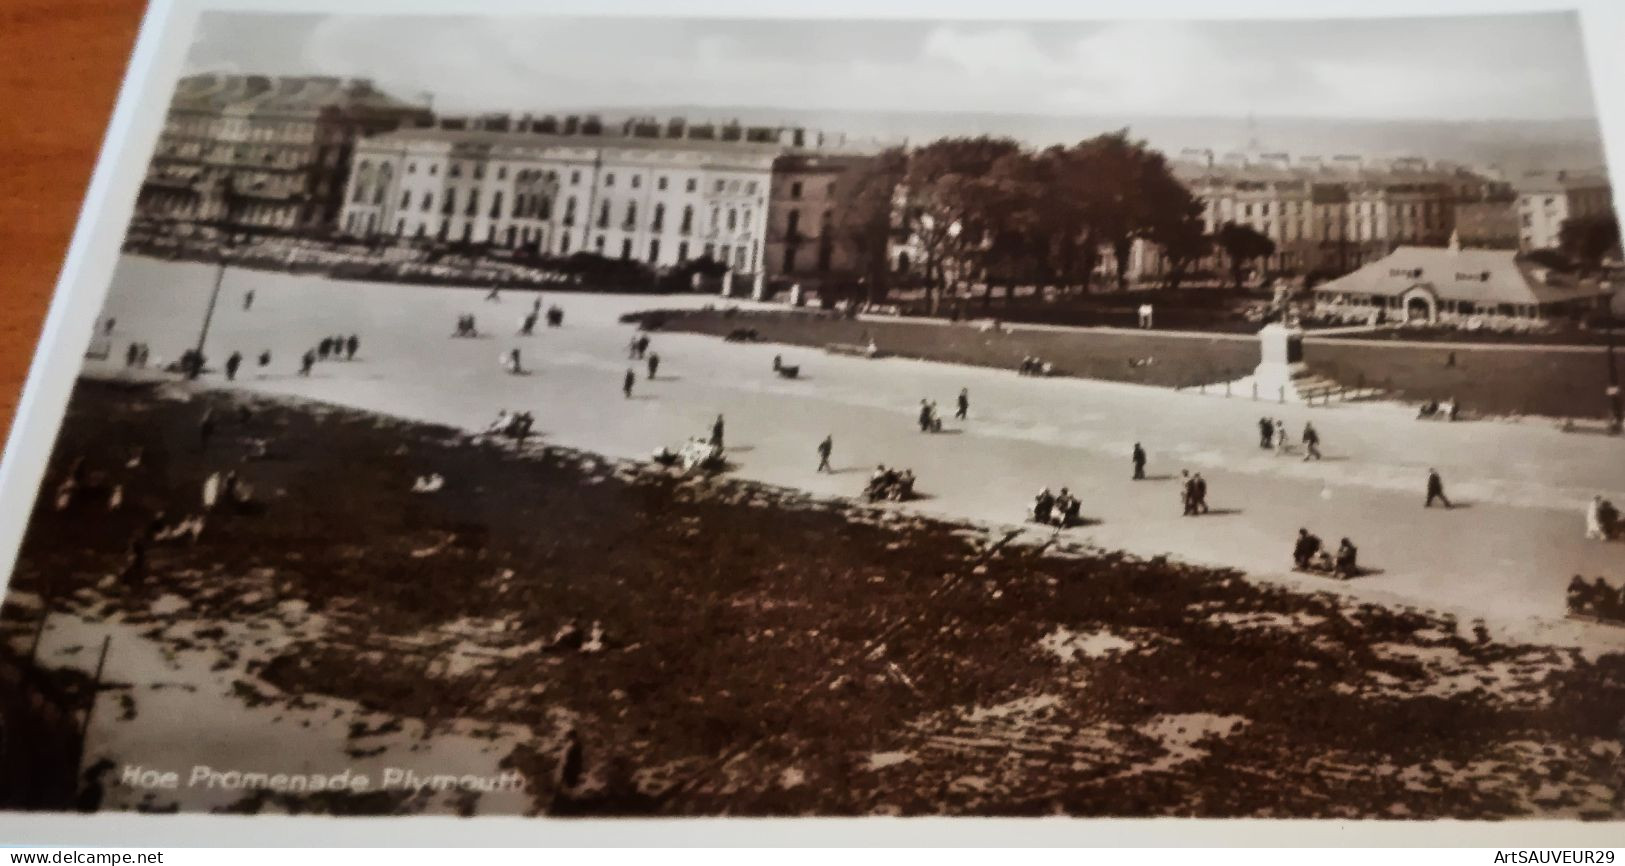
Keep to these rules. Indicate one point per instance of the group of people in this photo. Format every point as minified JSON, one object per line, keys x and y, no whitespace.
{"x":1193,"y":493}
{"x":1602,"y":520}
{"x":1032,"y":365}
{"x":1309,"y":554}
{"x":638,"y":347}
{"x":1056,"y":509}
{"x":338,"y":347}
{"x":893,"y":484}
{"x":1597,"y":599}
{"x":137,"y":355}
{"x":1272,"y":434}
{"x":1450,"y":410}
{"x":465,"y":326}
{"x":515,"y":425}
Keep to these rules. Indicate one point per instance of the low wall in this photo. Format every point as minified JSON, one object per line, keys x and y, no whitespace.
{"x":1143,"y":357}
{"x":1563,"y":382}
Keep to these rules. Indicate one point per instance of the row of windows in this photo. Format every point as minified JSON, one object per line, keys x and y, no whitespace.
{"x":635,"y":180}
{"x":742,"y":257}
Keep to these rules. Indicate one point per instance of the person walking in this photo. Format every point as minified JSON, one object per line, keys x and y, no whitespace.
{"x":265,"y":359}
{"x":626,"y":383}
{"x":1311,"y":442}
{"x":1198,"y":494}
{"x":306,"y":362}
{"x":824,"y":449}
{"x":1436,"y":490}
{"x":248,"y":300}
{"x":1283,"y":441}
{"x":654,"y":363}
{"x":324,"y":348}
{"x":1266,"y":433}
{"x":1139,"y":462}
{"x":232,"y":363}
{"x":963,"y":411}
{"x":925,"y":416}
{"x":1187,"y":492}
{"x":716,"y":432}
{"x":351,"y":346}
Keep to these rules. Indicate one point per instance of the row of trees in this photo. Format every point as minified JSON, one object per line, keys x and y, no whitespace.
{"x":986,"y":211}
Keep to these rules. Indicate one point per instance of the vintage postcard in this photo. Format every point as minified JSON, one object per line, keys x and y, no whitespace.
{"x":547,"y":415}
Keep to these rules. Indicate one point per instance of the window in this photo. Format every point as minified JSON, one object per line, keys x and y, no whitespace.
{"x":660,"y":217}
{"x":570,"y":211}
{"x":720,"y":186}
{"x":626,"y":248}
{"x":792,"y":225}
{"x":637,"y":181}
{"x":795,"y":189}
{"x":722,"y":254}
{"x":479,"y":171}
{"x":564,"y":243}
{"x":428,"y":202}
{"x":406,"y":199}
{"x":473,"y":202}
{"x":575,"y":178}
{"x":434,"y":170}
{"x":518,"y":204}
{"x":631,"y":221}
{"x":654,"y":252}
{"x":400,"y":227}
{"x":603,"y":215}
{"x":450,"y":204}
{"x":609,"y":179}
{"x":599,"y":244}
{"x":502,"y":174}
{"x":692,"y":184}
{"x":682,"y":252}
{"x":496,"y":204}
{"x":733,"y":220}
{"x":456,"y":169}
{"x":716,"y":215}
{"x":546,"y":211}
{"x":660,"y":184}
{"x":751,"y":187}
{"x":688,"y":219}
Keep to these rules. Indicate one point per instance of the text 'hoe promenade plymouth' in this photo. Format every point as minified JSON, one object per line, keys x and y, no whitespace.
{"x":694,"y":418}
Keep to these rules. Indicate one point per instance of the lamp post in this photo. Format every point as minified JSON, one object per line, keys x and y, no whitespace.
{"x":195,"y":369}
{"x":1617,"y":419}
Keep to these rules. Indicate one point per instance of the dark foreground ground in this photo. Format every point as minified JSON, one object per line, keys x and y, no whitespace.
{"x":764,"y":654}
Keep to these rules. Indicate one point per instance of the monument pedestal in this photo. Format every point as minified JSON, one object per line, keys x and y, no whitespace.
{"x":1280,"y":366}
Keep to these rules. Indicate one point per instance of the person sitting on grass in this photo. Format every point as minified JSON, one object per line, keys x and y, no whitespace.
{"x":1303,"y":552}
{"x":1346,"y":565}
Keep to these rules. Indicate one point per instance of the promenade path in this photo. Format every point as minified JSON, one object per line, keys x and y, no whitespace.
{"x":1505,"y":554}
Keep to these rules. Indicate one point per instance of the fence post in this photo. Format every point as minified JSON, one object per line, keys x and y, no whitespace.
{"x":1280,"y":394}
{"x":1255,"y":391}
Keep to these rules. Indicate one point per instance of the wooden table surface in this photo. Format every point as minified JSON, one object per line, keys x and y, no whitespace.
{"x":62,"y":64}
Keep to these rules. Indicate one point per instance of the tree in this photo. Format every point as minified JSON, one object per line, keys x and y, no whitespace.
{"x":1182,"y":241}
{"x":1005,"y":223}
{"x":1588,"y":239}
{"x":1242,"y":244}
{"x":863,"y":216}
{"x":937,"y":193}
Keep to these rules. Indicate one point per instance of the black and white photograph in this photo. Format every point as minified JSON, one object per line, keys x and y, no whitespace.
{"x":649,"y":416}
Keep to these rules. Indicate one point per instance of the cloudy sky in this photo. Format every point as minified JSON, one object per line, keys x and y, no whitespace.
{"x":1525,"y":67}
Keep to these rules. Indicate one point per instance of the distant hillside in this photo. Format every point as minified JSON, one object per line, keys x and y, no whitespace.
{"x":1515,"y":146}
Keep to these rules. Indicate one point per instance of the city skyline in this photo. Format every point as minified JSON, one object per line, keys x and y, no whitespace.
{"x":1357,"y":69}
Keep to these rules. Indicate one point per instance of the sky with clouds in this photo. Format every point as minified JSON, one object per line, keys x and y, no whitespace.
{"x":1527,"y":67}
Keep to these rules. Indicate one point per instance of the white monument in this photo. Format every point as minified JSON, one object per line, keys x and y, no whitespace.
{"x":1280,"y":364}
{"x":727,"y":283}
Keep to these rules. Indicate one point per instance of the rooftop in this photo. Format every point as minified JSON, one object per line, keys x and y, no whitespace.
{"x":283,"y":94}
{"x":1473,"y":275}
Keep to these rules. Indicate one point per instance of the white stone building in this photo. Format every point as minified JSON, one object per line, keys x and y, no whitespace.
{"x":660,"y":201}
{"x":1545,"y":201}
